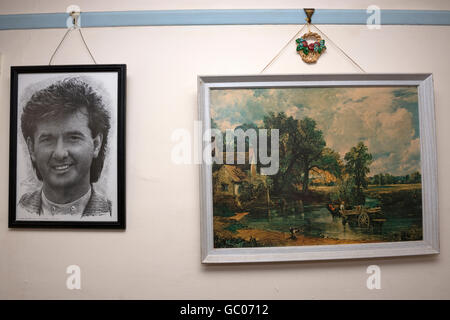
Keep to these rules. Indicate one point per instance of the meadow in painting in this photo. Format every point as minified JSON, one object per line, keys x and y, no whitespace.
{"x":348,"y":167}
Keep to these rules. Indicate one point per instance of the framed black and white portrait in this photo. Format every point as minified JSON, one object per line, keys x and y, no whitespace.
{"x":67,"y":146}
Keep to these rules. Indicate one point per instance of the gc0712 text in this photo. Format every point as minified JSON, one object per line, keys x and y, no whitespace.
{"x":238,"y":309}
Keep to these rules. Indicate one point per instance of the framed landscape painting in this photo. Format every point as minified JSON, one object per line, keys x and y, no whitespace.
{"x":67,"y":146}
{"x":314,"y":167}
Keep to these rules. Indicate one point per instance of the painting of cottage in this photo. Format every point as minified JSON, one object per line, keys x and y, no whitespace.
{"x":349,"y":167}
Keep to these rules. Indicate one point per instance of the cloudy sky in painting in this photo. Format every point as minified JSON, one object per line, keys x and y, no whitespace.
{"x":384,"y":118}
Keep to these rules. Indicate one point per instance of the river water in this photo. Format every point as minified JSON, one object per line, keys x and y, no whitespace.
{"x":316,"y":221}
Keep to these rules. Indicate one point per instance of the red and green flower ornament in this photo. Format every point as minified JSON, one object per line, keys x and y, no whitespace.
{"x":318,"y":46}
{"x":310,"y":52}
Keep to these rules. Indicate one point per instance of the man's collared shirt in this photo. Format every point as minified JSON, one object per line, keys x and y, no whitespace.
{"x":75,"y":208}
{"x":92,"y":206}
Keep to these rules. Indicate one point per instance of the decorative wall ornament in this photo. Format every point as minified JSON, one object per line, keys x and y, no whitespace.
{"x":310,"y":51}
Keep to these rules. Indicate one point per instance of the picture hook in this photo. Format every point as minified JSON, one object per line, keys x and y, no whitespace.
{"x":309,"y":12}
{"x":75,"y":15}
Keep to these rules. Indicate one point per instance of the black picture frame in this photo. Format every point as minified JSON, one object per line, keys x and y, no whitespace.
{"x":15,"y":132}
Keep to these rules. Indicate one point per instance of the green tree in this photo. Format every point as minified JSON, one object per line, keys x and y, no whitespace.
{"x":252,"y":191}
{"x":416,"y":177}
{"x":301,"y":147}
{"x":286,"y":126}
{"x":330,"y":161}
{"x":377,"y":179}
{"x":357,"y":166}
{"x":407,"y":179}
{"x":310,"y":148}
{"x":344,"y":191}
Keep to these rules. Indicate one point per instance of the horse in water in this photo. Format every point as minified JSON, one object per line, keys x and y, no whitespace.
{"x":333,"y":210}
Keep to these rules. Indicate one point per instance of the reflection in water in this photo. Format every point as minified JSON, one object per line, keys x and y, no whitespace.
{"x":316,"y":221}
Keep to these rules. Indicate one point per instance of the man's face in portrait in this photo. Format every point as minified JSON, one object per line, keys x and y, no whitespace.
{"x":63,"y":149}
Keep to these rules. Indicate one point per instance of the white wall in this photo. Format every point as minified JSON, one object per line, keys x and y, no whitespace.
{"x":158,"y":256}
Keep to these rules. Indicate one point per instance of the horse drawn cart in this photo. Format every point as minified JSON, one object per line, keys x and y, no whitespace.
{"x":359,"y":216}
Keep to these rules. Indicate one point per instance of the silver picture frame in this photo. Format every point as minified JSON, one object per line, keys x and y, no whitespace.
{"x":430,"y":223}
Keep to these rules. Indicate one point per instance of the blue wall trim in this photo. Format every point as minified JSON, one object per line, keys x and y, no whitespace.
{"x":221,"y":17}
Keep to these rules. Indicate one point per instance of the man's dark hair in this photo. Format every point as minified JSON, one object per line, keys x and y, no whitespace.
{"x":63,"y":98}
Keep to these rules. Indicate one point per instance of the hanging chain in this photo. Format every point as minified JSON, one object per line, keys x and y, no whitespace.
{"x":282,"y":49}
{"x":64,"y":37}
{"x":54,"y":52}
{"x":85,"y":44}
{"x":308,"y":24}
{"x":348,"y":57}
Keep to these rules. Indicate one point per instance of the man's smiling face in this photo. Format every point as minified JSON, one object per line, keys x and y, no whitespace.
{"x":63,"y":150}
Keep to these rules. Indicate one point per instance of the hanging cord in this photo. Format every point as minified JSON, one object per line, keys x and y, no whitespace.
{"x":325,"y":36}
{"x":348,"y":57}
{"x":65,"y":35}
{"x":54,"y":52}
{"x":282,"y":49}
{"x":85,"y":44}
